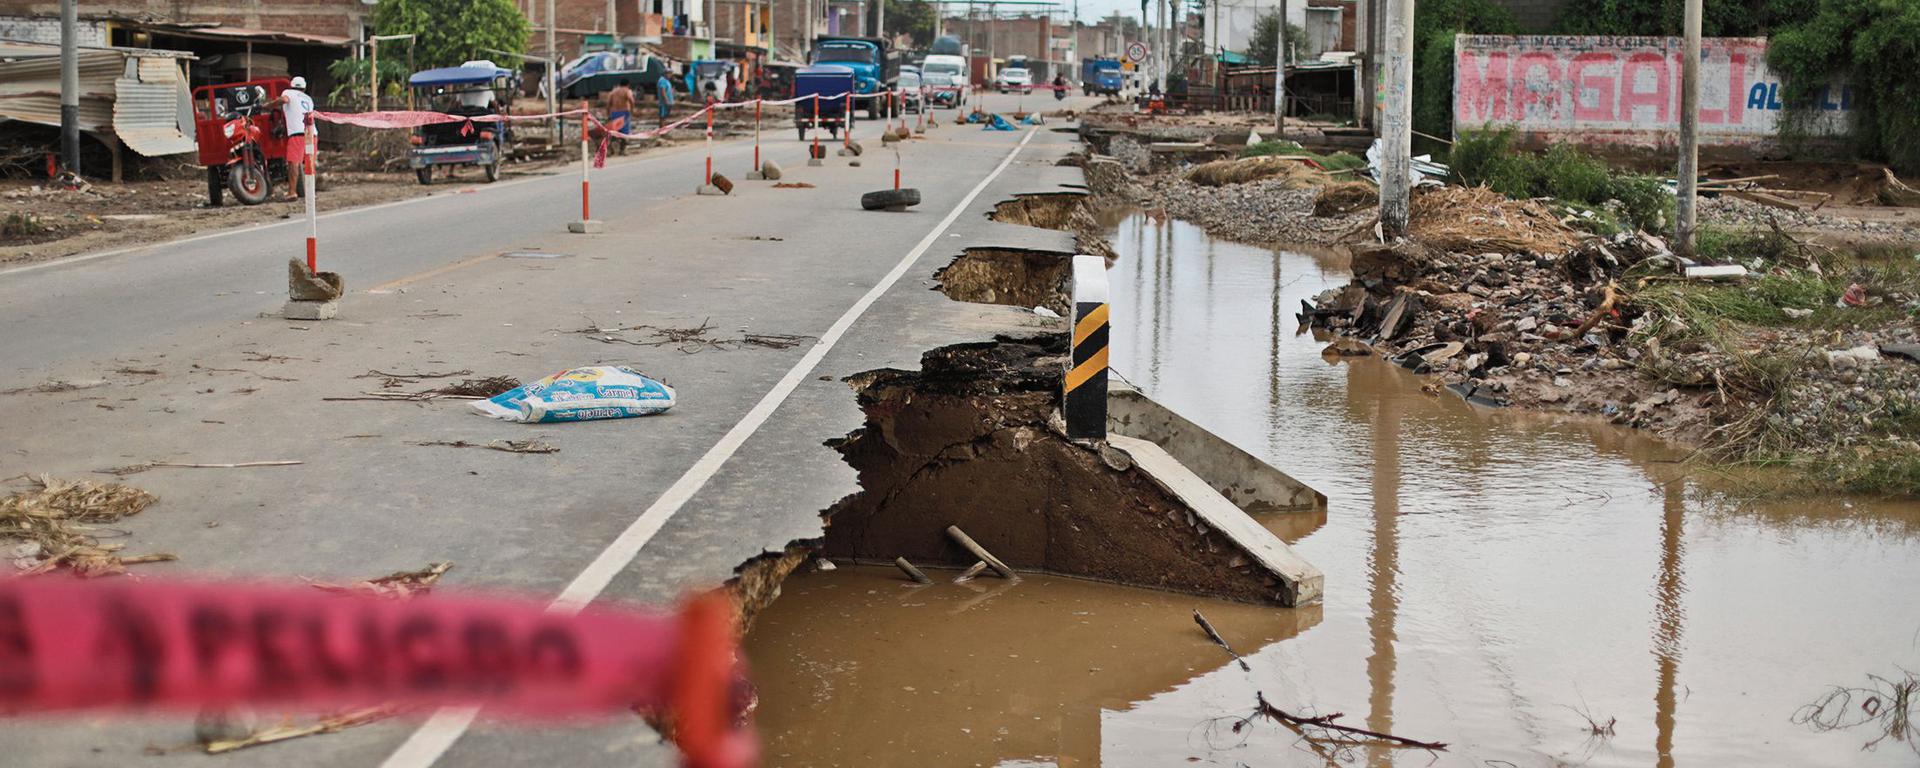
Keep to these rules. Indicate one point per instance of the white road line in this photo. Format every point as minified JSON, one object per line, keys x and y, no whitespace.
{"x":439,"y":732}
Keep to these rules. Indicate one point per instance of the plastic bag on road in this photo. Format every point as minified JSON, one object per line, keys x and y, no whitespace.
{"x":581,"y":394}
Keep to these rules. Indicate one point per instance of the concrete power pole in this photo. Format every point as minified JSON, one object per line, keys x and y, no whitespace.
{"x":613,"y":12}
{"x":1689,"y":172}
{"x":1396,"y":126}
{"x":1160,"y":39}
{"x":880,"y":18}
{"x":1280,"y":76}
{"x":70,"y":85}
{"x":553,"y":73}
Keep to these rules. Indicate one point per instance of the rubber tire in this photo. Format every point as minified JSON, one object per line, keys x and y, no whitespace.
{"x":216,"y":186}
{"x":889,"y":198}
{"x":240,"y":174}
{"x":424,"y":174}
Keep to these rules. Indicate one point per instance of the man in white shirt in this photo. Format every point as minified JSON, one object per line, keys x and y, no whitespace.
{"x":295,"y":105}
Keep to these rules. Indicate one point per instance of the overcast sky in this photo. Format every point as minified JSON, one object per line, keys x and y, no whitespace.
{"x":1094,"y":10}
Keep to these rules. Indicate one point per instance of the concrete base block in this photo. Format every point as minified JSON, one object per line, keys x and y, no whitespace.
{"x":756,"y":176}
{"x":815,"y":161}
{"x":708,"y":189}
{"x":586,"y":227}
{"x":311,"y":310}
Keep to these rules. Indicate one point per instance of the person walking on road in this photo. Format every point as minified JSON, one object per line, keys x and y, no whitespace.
{"x":620,"y":110}
{"x":663,"y":89}
{"x":295,"y":105}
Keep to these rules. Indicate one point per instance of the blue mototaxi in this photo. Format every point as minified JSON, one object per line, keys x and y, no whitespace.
{"x":823,"y":81}
{"x":473,"y":89}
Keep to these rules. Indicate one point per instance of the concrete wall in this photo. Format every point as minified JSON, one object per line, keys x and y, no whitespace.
{"x":47,"y":30}
{"x":1622,"y":91}
{"x":339,"y":18}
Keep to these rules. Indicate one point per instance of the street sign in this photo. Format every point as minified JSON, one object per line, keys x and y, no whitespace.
{"x":1136,"y":51}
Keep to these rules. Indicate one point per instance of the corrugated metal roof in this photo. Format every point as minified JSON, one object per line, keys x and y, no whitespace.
{"x":30,"y":88}
{"x":140,"y":99}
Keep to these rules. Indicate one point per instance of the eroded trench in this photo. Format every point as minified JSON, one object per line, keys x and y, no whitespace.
{"x":974,"y":439}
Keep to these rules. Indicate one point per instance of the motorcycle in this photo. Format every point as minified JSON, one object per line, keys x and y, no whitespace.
{"x":250,"y":167}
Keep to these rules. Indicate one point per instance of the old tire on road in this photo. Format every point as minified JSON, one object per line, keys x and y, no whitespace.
{"x":890,"y":199}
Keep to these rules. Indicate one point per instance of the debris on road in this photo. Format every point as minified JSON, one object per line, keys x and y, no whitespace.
{"x":689,"y":340}
{"x":51,"y":524}
{"x":890,"y":199}
{"x":56,"y":386}
{"x":134,"y":469}
{"x":793,"y":185}
{"x":399,"y":584}
{"x":508,"y":446}
{"x":581,"y":394}
{"x":330,"y":724}
{"x":464,"y":389}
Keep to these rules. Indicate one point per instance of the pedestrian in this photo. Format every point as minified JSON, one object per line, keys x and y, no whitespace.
{"x":1059,"y":87}
{"x":295,"y":105}
{"x":663,"y":90}
{"x":620,"y":110}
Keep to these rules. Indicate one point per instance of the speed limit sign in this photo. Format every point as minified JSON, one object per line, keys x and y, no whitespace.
{"x":1137,"y":51}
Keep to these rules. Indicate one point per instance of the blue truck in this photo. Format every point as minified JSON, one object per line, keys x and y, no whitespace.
{"x":875,"y":65}
{"x":1102,"y":76}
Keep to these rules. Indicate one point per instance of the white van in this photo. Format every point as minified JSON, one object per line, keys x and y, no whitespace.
{"x":954,"y":67}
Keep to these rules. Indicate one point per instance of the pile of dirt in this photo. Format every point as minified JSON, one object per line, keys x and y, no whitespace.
{"x":1344,"y":198}
{"x":1291,"y":170}
{"x":1477,"y":219}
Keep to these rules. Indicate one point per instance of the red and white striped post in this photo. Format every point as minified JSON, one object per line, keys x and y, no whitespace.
{"x":756,"y":134}
{"x":920,"y":122}
{"x":313,"y":216}
{"x":816,"y":155}
{"x":707,"y":187}
{"x":846,"y":125}
{"x":586,"y":225}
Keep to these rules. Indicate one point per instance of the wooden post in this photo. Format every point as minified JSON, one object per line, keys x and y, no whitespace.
{"x":1689,"y":170}
{"x":373,"y":73}
{"x":961,"y":537}
{"x":911,"y":572}
{"x":1396,"y":125}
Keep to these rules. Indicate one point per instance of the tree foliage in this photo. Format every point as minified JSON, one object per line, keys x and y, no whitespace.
{"x":449,"y":32}
{"x":1435,"y":22}
{"x":1266,"y":35}
{"x":913,"y":18}
{"x":1872,"y":44}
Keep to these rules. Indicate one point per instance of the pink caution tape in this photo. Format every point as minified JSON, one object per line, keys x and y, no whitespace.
{"x":69,"y":645}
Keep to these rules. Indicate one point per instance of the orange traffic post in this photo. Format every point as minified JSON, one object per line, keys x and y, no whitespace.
{"x":756,"y":134}
{"x":846,"y":124}
{"x":312,"y":296}
{"x":313,"y":217}
{"x":816,"y":154}
{"x":707,"y":187}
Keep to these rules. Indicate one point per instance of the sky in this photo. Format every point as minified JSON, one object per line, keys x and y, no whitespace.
{"x":1094,"y":10}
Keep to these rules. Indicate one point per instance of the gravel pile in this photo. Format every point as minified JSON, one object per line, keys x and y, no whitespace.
{"x":1733,"y":211}
{"x":1263,"y":212}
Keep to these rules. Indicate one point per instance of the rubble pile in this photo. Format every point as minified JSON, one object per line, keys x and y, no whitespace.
{"x":1268,"y":211}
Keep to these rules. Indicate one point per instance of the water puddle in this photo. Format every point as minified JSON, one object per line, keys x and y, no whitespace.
{"x":1493,"y":580}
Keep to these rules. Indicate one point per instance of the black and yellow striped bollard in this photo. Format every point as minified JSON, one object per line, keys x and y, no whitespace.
{"x":1085,"y":403}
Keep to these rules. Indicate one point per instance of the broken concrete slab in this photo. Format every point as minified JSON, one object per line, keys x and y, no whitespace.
{"x":586,"y":227}
{"x":1251,"y":484}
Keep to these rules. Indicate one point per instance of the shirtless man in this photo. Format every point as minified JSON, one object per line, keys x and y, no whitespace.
{"x":620,"y":110}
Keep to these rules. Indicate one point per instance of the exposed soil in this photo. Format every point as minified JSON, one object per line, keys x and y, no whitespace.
{"x":970,"y":441}
{"x":1012,"y":276}
{"x":1064,"y":211}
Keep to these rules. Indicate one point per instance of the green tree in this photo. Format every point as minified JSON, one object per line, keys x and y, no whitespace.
{"x":448,"y":32}
{"x":1435,"y":23}
{"x":1266,"y":34}
{"x":1870,"y":44}
{"x":913,"y":18}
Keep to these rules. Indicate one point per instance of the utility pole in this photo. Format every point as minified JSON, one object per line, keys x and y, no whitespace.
{"x":880,"y":18}
{"x":1160,"y":44}
{"x":1684,"y":221}
{"x":553,"y":76}
{"x":613,"y":11}
{"x":70,"y":85}
{"x":1396,"y":126}
{"x":1280,"y":76}
{"x":713,"y":30}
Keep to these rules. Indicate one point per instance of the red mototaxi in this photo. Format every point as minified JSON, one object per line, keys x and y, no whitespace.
{"x":210,"y":116}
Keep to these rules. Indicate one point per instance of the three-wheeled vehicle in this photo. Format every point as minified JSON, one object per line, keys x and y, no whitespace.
{"x":706,"y":79}
{"x":822,"y":81}
{"x":473,"y":89}
{"x":241,"y":140}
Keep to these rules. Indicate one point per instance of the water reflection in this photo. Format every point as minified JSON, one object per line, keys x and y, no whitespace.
{"x":1493,"y":578}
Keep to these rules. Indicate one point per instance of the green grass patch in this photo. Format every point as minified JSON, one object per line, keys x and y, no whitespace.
{"x":1563,"y":172}
{"x":1337,"y":161}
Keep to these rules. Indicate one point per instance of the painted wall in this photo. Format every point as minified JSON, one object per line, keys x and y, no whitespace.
{"x":1623,"y":90}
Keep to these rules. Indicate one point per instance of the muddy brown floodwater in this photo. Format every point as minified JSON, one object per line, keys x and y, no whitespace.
{"x":1494,"y":580}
